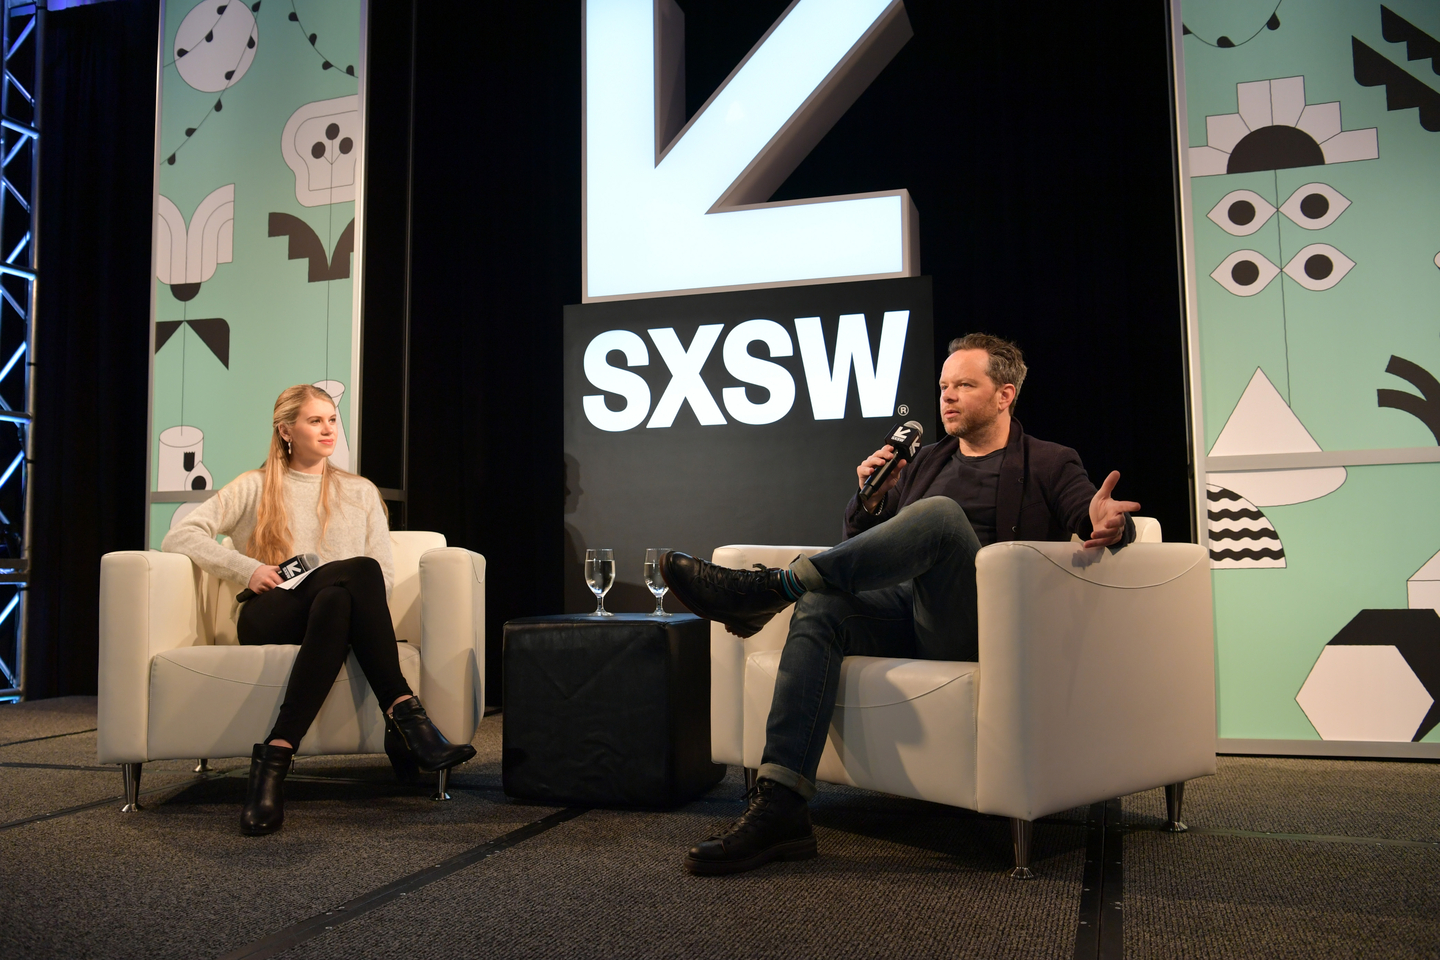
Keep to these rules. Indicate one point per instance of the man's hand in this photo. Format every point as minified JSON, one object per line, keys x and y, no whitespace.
{"x":264,"y":578}
{"x":873,"y":463}
{"x":1107,"y":515}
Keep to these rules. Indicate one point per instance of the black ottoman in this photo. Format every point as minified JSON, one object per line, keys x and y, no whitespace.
{"x":608,"y":711}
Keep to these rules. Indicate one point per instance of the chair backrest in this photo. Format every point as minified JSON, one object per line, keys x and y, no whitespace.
{"x":407,"y":546}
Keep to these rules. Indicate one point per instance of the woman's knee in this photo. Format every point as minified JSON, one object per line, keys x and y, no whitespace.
{"x":358,"y":568}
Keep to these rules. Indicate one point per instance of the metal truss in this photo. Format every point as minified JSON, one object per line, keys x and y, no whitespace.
{"x":21,"y":35}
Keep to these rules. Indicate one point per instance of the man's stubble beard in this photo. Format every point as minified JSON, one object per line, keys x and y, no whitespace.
{"x":973,"y":425}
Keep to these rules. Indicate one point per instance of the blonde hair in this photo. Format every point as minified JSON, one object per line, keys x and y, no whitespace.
{"x":272,"y":541}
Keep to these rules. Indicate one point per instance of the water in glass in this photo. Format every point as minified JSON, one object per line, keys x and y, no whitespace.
{"x":600,"y":575}
{"x":654,"y":581}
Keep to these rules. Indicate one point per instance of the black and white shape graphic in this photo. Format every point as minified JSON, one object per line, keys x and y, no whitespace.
{"x":180,"y":465}
{"x":215,"y":44}
{"x":1263,"y":423}
{"x":1402,"y":91}
{"x":1423,"y":588}
{"x":1275,"y":129}
{"x":341,"y":455}
{"x":186,"y":257}
{"x":1378,"y":679}
{"x":1315,"y":206}
{"x":214,"y":332}
{"x":1318,"y":266}
{"x":305,"y":244}
{"x":1426,"y":407}
{"x":183,"y":511}
{"x":1241,"y":212}
{"x":321,"y":144}
{"x":1245,"y":273}
{"x":1241,"y":537}
{"x":314,"y":40}
{"x":1230,"y":25}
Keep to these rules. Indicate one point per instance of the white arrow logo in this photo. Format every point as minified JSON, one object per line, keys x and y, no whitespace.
{"x":670,"y":210}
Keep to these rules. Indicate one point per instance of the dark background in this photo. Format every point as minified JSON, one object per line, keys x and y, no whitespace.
{"x":1037,"y":148}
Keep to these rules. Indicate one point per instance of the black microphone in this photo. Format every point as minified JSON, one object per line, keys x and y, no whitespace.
{"x":289,"y":570}
{"x":905,"y":438}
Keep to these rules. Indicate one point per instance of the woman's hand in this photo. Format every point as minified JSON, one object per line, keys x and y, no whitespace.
{"x":264,"y":578}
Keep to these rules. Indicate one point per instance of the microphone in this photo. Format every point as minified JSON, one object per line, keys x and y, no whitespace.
{"x":905,"y":438}
{"x":289,"y":570}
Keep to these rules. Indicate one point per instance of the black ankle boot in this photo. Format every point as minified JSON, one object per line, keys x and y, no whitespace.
{"x":414,"y":743}
{"x":742,"y":600}
{"x":265,"y":793}
{"x":776,"y":826}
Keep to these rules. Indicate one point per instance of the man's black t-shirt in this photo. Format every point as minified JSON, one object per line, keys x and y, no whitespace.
{"x":973,"y":483}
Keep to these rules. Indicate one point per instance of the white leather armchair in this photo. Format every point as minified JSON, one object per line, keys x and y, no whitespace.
{"x":1096,"y":679}
{"x":174,"y":682}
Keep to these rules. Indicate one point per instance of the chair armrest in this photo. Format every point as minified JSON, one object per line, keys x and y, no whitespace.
{"x":148,"y":604}
{"x":452,"y":640}
{"x":1097,"y":675}
{"x":728,"y":652}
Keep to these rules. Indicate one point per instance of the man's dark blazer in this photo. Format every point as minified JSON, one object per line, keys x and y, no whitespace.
{"x":1044,"y":492}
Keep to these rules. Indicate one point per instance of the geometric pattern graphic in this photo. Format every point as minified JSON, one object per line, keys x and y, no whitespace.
{"x":1423,"y":588}
{"x":1377,"y":679}
{"x":1275,"y":129}
{"x":1402,"y":91}
{"x":1426,"y":407}
{"x":1318,"y":266}
{"x":1315,"y":206}
{"x":1241,"y":537}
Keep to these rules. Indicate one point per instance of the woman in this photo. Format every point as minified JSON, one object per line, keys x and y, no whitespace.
{"x":297,"y":503}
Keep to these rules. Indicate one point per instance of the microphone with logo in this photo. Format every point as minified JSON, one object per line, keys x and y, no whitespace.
{"x":289,"y":570}
{"x":905,"y":438}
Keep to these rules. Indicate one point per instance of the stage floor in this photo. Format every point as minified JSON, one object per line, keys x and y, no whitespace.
{"x":1285,"y":858}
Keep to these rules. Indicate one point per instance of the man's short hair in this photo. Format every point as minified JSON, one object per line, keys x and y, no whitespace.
{"x":1007,"y":363}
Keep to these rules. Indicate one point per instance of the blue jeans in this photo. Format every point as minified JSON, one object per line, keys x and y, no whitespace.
{"x":905,"y":588}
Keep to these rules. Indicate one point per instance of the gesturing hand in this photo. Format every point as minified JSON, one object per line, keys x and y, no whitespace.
{"x":1107,"y":515}
{"x":264,"y":578}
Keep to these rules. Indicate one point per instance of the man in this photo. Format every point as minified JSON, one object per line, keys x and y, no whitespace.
{"x":901,"y":585}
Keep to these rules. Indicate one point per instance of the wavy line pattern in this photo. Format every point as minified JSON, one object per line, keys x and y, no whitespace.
{"x":1217,"y":515}
{"x":1248,"y":554}
{"x":1268,"y":534}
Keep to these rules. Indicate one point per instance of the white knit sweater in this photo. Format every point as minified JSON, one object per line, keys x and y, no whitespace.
{"x":357,"y":525}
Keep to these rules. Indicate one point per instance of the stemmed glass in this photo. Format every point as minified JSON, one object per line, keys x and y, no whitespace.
{"x":600,"y":575}
{"x":654,"y":581}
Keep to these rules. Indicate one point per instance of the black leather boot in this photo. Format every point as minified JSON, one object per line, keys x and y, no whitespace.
{"x":776,"y":826}
{"x":412,"y":742}
{"x":265,"y":793}
{"x":742,"y":600}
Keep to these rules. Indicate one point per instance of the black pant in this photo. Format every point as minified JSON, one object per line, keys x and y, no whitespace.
{"x":338,"y":608}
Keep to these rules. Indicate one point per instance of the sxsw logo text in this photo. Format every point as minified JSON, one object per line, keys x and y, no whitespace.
{"x":827,"y":371}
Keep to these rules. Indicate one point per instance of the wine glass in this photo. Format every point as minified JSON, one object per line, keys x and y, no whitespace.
{"x":600,"y":575}
{"x":654,"y":581}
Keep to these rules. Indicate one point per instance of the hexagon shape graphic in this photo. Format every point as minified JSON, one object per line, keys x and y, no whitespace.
{"x":1377,"y":679}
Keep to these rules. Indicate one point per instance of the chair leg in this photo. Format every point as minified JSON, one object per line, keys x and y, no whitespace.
{"x":132,"y":787}
{"x":1021,"y":831}
{"x":442,"y":788}
{"x":203,"y":767}
{"x":1174,"y":800}
{"x":751,"y":775}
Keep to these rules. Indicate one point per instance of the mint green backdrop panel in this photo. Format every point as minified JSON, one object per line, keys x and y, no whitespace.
{"x":1323,"y":351}
{"x":277,"y":321}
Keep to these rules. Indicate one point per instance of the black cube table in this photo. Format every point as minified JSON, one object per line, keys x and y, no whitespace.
{"x":608,"y":711}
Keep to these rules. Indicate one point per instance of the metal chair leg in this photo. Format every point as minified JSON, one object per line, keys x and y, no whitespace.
{"x":751,"y":775}
{"x":442,"y":786}
{"x":1021,"y":832}
{"x":203,"y":767}
{"x":132,"y":787}
{"x":1174,"y":800}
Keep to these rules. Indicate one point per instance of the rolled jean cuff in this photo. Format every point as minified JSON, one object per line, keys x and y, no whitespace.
{"x":808,"y":576}
{"x":787,"y":777}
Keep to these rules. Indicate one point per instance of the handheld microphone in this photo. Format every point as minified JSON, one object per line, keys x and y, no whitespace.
{"x":905,"y":438}
{"x":289,"y":570}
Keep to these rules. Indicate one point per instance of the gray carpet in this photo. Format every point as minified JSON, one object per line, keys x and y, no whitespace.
{"x":896,"y":878}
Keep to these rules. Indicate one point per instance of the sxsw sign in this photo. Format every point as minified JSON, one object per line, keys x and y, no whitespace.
{"x":672,"y":206}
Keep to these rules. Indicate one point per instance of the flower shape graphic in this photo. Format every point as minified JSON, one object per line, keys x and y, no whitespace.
{"x":1275,"y":129}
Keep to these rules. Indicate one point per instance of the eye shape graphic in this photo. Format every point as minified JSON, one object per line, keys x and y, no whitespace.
{"x":1245,"y":273}
{"x":1241,"y":212}
{"x":1318,"y":266}
{"x":1315,"y":205}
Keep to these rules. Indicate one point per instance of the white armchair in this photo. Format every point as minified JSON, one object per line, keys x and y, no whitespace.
{"x":1098,"y":681}
{"x":174,"y":682}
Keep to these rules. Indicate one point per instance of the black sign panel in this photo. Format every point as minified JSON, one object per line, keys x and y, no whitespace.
{"x":693,"y":422}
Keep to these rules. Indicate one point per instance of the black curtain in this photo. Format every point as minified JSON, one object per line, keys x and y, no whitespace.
{"x":92,"y":326}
